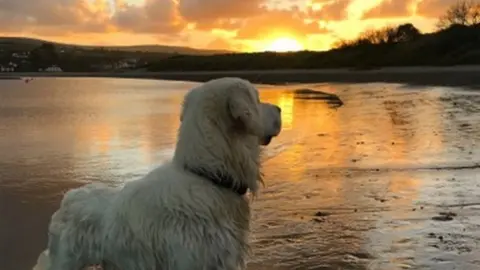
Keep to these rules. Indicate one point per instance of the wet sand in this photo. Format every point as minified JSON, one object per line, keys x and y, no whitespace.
{"x":466,"y":76}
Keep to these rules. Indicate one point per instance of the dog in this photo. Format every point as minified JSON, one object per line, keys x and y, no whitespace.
{"x":190,"y":213}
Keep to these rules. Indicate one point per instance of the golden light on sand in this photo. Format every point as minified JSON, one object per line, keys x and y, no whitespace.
{"x":284,"y":44}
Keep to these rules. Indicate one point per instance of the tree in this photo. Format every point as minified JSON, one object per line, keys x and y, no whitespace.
{"x":386,"y":35}
{"x":343,"y":44}
{"x":377,"y":36}
{"x":44,"y":56}
{"x":464,"y":12}
{"x":404,"y":33}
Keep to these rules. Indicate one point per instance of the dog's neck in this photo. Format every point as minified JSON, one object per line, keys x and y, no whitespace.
{"x":220,"y":179}
{"x":227,"y":157}
{"x":228,"y":166}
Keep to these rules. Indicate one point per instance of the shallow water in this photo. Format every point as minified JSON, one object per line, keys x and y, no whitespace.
{"x":354,"y":187}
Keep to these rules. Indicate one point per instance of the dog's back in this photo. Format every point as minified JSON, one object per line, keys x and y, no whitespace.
{"x":162,"y":221}
{"x":172,"y":219}
{"x":78,"y":223}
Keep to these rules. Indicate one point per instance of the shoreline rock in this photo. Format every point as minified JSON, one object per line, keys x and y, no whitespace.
{"x":306,"y":93}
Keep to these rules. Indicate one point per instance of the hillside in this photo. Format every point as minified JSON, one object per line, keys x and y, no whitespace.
{"x":402,"y":46}
{"x":27,"y":44}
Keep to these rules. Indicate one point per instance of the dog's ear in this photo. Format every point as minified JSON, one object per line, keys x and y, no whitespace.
{"x":246,"y":111}
{"x":186,"y":102}
{"x":184,"y":106}
{"x":181,"y":114}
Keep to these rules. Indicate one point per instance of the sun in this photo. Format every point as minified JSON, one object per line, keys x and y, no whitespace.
{"x":284,"y":45}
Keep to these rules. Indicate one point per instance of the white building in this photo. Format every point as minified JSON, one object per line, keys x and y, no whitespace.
{"x":10,"y":67}
{"x":53,"y":68}
{"x":7,"y":69}
{"x":21,"y":55}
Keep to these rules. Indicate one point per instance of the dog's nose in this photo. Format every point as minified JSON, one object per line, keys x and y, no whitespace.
{"x":278,"y":108}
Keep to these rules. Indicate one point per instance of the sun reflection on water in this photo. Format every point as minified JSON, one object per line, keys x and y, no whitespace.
{"x":285,"y":102}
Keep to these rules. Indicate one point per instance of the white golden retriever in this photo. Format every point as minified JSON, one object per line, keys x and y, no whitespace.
{"x":188,"y":214}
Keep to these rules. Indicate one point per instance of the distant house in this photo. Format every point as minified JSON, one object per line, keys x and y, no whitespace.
{"x":117,"y":65}
{"x":127,"y":63}
{"x":21,"y":55}
{"x":6,"y":69}
{"x":53,"y":68}
{"x":10,"y":67}
{"x":107,"y":66}
{"x":132,"y":62}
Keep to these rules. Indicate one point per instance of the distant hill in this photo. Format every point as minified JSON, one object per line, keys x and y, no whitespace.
{"x":27,"y":44}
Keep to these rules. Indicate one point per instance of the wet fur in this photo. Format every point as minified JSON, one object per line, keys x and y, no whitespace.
{"x":173,"y":219}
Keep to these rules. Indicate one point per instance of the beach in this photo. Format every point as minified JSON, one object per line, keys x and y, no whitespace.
{"x":465,"y":76}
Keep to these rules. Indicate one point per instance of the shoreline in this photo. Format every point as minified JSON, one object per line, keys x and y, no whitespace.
{"x":463,"y":76}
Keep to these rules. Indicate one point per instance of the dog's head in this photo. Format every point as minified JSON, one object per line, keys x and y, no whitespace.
{"x":223,"y":124}
{"x":235,"y":102}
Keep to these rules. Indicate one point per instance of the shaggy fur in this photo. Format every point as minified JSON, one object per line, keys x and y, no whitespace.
{"x":187,"y":214}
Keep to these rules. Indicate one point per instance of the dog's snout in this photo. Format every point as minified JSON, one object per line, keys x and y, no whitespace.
{"x":277,"y":124}
{"x":278,"y":108}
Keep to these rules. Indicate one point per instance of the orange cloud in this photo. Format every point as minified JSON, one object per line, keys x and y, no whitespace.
{"x":391,"y":9}
{"x":207,"y":14}
{"x":434,"y":8}
{"x":330,"y":10}
{"x":219,"y":44}
{"x":154,"y":16}
{"x":52,"y":16}
{"x":278,"y":22}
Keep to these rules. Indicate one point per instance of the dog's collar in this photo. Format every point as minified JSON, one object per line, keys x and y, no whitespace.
{"x":219,"y":179}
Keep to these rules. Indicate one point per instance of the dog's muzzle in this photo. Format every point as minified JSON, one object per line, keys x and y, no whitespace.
{"x":272,"y":121}
{"x":266,"y":140}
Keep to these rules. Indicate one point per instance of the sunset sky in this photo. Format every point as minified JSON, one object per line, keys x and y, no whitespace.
{"x":243,"y":25}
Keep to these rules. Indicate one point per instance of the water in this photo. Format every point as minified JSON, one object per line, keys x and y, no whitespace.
{"x":353,"y":187}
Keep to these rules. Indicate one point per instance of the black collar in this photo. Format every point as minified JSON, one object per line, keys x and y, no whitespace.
{"x":220,"y":179}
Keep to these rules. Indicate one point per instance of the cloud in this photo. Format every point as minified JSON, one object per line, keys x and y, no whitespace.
{"x":434,"y":8}
{"x":278,"y":22}
{"x":207,"y":14}
{"x":54,"y":16}
{"x":219,"y":44}
{"x":197,"y":22}
{"x":287,"y":4}
{"x":154,"y":16}
{"x":63,"y":17}
{"x":333,"y":10}
{"x":391,"y":9}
